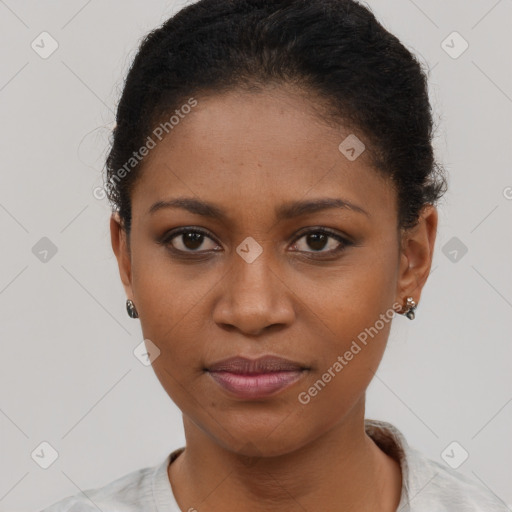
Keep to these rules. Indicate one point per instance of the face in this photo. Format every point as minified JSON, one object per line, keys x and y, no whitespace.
{"x":271,"y":273}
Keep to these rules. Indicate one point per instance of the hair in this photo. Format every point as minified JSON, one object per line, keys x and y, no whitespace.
{"x":334,"y":50}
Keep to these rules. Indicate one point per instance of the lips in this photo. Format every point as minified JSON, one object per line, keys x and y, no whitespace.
{"x":255,"y":378}
{"x":264,"y":364}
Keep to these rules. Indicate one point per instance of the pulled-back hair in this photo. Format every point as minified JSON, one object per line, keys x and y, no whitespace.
{"x":334,"y":50}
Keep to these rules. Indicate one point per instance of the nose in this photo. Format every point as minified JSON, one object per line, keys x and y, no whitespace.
{"x":253,"y":298}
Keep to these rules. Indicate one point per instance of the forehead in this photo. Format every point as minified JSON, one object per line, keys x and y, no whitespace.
{"x":251,"y":150}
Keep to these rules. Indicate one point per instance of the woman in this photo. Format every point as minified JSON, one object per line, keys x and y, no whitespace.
{"x":274,"y":191}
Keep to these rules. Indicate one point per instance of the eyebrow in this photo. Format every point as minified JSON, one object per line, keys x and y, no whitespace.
{"x":286,"y":211}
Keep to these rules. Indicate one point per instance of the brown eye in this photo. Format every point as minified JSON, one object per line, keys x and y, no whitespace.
{"x":320,"y":239}
{"x":190,"y":240}
{"x":317,"y":241}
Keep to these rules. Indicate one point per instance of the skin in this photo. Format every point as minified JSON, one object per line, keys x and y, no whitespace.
{"x":249,"y":153}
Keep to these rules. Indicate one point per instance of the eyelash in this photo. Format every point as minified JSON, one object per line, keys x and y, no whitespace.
{"x":166,"y":241}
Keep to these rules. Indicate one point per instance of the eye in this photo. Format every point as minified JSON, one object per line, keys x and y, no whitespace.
{"x":320,"y":239}
{"x":190,"y":240}
{"x":196,"y":240}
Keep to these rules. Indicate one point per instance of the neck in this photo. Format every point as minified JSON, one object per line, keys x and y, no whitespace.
{"x":341,"y":470}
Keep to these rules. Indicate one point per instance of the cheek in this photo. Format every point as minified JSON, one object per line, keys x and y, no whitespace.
{"x":171,"y":301}
{"x":347,"y":300}
{"x":346,"y":369}
{"x":352,"y":325}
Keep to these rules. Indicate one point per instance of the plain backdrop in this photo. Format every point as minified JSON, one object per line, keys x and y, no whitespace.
{"x":68,"y":373}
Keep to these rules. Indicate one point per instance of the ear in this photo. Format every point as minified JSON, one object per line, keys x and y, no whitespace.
{"x":121,"y":249}
{"x":417,"y":250}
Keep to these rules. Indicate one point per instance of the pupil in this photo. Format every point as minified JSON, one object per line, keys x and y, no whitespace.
{"x":192,"y":240}
{"x":317,"y":240}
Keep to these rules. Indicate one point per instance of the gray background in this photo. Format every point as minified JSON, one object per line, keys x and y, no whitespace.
{"x":68,"y":373}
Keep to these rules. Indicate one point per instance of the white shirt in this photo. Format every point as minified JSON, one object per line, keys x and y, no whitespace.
{"x":427,"y":486}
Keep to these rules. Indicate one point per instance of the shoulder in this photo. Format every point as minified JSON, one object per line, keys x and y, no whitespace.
{"x":428,"y":485}
{"x":433,"y":485}
{"x":129,"y":493}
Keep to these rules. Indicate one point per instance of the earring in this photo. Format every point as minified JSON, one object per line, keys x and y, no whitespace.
{"x":132,"y":311}
{"x":411,"y":307}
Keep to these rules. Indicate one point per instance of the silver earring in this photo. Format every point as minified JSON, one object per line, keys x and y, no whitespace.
{"x":411,"y":307}
{"x":132,"y":311}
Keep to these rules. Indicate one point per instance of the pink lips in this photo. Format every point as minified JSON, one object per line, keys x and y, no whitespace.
{"x":255,"y":378}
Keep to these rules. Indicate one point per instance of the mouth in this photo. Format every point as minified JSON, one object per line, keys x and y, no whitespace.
{"x":256,"y":378}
